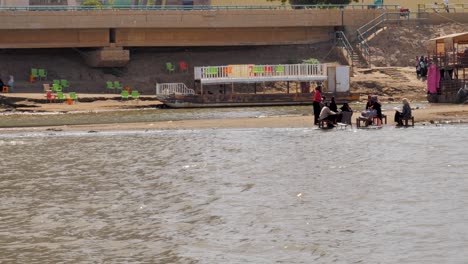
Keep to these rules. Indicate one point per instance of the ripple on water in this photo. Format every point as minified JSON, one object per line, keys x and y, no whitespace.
{"x":235,"y":196}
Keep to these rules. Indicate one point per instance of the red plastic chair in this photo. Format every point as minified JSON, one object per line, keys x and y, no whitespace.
{"x":50,"y":97}
{"x":183,"y":66}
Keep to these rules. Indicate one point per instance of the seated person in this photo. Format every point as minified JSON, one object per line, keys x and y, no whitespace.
{"x":333,"y":105}
{"x":344,"y":108}
{"x":328,"y":115}
{"x":405,"y":114}
{"x":374,"y":110}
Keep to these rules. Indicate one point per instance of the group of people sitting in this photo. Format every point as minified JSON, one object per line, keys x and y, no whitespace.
{"x":373,"y":110}
{"x":330,"y":113}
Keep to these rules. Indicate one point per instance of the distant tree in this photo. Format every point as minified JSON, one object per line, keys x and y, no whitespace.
{"x":92,"y":3}
{"x":311,"y":61}
{"x":316,"y":2}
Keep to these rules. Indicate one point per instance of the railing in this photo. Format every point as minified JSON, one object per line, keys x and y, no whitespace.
{"x":251,"y":71}
{"x":455,"y":8}
{"x":371,"y":27}
{"x":343,"y":40}
{"x":173,"y":88}
{"x":190,"y":7}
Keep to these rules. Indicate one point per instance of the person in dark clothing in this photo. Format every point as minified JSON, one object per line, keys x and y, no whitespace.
{"x":369,"y":102}
{"x":378,"y":108}
{"x":346,"y":108}
{"x":1,"y":83}
{"x":333,"y":107}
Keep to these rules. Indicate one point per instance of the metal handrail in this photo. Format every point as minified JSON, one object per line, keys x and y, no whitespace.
{"x":173,"y":88}
{"x":371,"y":27}
{"x":187,"y":7}
{"x":340,"y":35}
{"x":457,"y":8}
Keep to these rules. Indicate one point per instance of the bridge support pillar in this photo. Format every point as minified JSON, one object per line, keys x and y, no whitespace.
{"x":107,"y":57}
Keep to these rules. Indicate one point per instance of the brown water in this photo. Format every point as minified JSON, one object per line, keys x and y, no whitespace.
{"x":235,"y":196}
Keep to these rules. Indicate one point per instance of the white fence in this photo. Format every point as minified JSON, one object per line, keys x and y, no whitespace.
{"x":173,"y":88}
{"x":253,"y":72}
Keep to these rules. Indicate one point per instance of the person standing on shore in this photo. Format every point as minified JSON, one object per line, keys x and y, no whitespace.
{"x":11,"y":83}
{"x":317,"y":103}
{"x":435,"y":7}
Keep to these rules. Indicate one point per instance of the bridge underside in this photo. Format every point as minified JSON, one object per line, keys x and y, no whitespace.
{"x":110,"y":44}
{"x":160,"y":37}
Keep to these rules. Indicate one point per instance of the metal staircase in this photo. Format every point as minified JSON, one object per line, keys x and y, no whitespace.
{"x":360,"y":55}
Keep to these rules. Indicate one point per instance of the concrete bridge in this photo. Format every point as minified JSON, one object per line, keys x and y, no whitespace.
{"x":110,"y":32}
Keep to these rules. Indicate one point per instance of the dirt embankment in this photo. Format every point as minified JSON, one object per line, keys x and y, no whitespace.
{"x":394,"y":49}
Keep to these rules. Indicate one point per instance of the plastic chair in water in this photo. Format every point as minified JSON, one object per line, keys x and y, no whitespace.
{"x":124,"y":95}
{"x":183,"y":67}
{"x":135,"y":95}
{"x":170,"y":68}
{"x":42,"y":74}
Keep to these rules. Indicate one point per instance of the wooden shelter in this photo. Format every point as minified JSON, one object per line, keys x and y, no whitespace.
{"x":450,"y":55}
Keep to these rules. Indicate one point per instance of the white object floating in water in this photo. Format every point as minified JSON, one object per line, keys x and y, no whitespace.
{"x":299,"y":194}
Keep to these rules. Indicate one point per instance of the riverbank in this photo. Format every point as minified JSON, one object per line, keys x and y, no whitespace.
{"x":425,"y":114}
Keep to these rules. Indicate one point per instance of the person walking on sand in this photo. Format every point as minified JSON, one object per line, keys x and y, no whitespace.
{"x":317,"y":103}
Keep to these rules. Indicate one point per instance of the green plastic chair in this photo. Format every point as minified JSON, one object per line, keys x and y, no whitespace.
{"x":57,"y":82}
{"x":110,"y":86}
{"x":73,"y":96}
{"x":170,"y":68}
{"x":118,"y":86}
{"x":34,"y":73}
{"x":135,"y":95}
{"x":42,"y":74}
{"x":56,"y":88}
{"x":124,"y":95}
{"x":61,"y":97}
{"x":64,"y":84}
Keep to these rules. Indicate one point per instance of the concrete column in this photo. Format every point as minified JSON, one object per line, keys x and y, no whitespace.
{"x":107,"y":57}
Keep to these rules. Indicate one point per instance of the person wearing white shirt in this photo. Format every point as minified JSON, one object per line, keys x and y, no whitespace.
{"x":328,"y":115}
{"x":446,"y":6}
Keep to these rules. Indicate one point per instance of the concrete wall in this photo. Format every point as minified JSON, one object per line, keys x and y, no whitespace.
{"x":221,"y":36}
{"x":176,"y":19}
{"x":182,"y":28}
{"x":54,"y":38}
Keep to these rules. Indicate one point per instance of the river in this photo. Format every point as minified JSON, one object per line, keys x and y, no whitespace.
{"x":270,"y":195}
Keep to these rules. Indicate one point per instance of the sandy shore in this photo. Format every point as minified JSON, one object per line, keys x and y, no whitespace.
{"x":430,"y":113}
